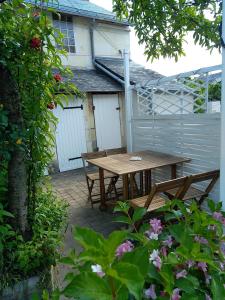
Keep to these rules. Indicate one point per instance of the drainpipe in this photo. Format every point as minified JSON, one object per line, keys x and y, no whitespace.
{"x":222,"y":149}
{"x":128,"y":100}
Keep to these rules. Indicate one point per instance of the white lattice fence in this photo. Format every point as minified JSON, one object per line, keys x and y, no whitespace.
{"x":185,"y":93}
{"x":196,"y":136}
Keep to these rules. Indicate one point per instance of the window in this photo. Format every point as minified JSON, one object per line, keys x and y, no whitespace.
{"x":65,"y":24}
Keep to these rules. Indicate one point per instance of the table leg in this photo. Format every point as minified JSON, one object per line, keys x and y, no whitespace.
{"x":132,"y":186}
{"x":125,"y":187}
{"x":141,"y":183}
{"x":173,"y":171}
{"x":102,"y":189}
{"x":148,"y":181}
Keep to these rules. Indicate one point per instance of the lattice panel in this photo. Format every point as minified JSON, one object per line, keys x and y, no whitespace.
{"x":185,"y":93}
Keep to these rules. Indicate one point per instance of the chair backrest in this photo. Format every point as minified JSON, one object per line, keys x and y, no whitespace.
{"x":91,"y":155}
{"x":178,"y":183}
{"x":116,"y":151}
{"x":211,"y":176}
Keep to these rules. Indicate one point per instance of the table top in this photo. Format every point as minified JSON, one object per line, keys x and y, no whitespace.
{"x":121,"y":164}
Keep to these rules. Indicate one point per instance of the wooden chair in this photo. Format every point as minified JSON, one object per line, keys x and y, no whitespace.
{"x":191,"y":192}
{"x":93,"y":175}
{"x":116,"y":151}
{"x":156,"y":197}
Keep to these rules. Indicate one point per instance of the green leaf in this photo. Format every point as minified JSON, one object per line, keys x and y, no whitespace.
{"x":88,"y":286}
{"x":139,"y":257}
{"x":185,"y":285}
{"x":129,"y":275}
{"x":123,"y":219}
{"x":153,"y":273}
{"x":88,"y":238}
{"x":217,"y":288}
{"x":138,"y":214}
{"x":114,"y":240}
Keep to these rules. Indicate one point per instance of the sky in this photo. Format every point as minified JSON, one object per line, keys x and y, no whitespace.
{"x":196,"y":57}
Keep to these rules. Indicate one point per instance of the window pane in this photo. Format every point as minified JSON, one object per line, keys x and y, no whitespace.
{"x":72,"y":49}
{"x":63,"y":25}
{"x":66,"y":48}
{"x":65,"y":42}
{"x":71,"y":42}
{"x":71,"y":34}
{"x":64,"y":31}
{"x":70,"y":26}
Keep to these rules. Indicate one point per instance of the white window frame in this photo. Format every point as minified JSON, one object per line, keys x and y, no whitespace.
{"x":67,"y":28}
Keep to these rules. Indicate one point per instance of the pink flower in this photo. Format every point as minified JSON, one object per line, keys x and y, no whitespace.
{"x":156,"y":260}
{"x":169,"y":241}
{"x":190,"y":263}
{"x":156,"y":225}
{"x":150,"y":292}
{"x":176,"y":294}
{"x":123,"y":248}
{"x":217,"y":215}
{"x":202,"y":266}
{"x":222,"y":248}
{"x":151,"y":235}
{"x":164,"y":251}
{"x":98,"y":270}
{"x":181,"y":274}
{"x":201,"y":240}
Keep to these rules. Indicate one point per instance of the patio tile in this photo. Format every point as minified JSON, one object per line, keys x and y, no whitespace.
{"x":71,"y":186}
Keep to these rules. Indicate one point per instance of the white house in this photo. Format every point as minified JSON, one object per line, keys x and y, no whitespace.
{"x":94,"y":40}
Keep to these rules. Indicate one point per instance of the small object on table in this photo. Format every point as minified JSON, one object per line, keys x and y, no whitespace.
{"x":135,"y":158}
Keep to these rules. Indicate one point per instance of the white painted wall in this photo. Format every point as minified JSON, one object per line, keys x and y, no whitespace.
{"x":111,"y":40}
{"x":108,"y":40}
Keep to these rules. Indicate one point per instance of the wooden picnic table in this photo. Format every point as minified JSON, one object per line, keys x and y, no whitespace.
{"x":121,"y":165}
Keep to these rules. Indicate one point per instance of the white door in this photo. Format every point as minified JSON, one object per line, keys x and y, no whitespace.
{"x":70,"y":135}
{"x":107,"y":121}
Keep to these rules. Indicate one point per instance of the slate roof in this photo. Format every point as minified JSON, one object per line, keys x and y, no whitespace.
{"x":138,"y":73}
{"x":94,"y":81}
{"x":82,"y":8}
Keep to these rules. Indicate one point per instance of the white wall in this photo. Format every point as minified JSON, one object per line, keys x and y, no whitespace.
{"x":108,"y":40}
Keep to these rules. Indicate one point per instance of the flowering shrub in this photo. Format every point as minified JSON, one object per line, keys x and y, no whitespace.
{"x":180,"y":256}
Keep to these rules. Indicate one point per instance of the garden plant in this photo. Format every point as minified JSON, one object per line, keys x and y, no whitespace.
{"x":178,"y":256}
{"x":33,"y":82}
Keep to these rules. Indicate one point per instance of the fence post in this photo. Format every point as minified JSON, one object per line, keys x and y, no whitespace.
{"x":222,"y":149}
{"x":128,"y":100}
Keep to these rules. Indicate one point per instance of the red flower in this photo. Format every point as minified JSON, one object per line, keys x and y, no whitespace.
{"x":36,"y":14}
{"x":58,"y":77}
{"x":35,"y":43}
{"x":51,"y":105}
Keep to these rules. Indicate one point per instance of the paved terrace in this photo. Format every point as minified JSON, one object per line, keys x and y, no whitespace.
{"x":71,"y":186}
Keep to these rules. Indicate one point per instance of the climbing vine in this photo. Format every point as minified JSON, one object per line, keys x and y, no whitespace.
{"x":33,"y":66}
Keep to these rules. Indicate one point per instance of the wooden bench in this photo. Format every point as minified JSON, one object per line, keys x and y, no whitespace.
{"x":191,"y":192}
{"x":156,"y":197}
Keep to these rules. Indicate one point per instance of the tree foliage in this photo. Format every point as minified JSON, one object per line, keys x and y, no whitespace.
{"x":162,"y":25}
